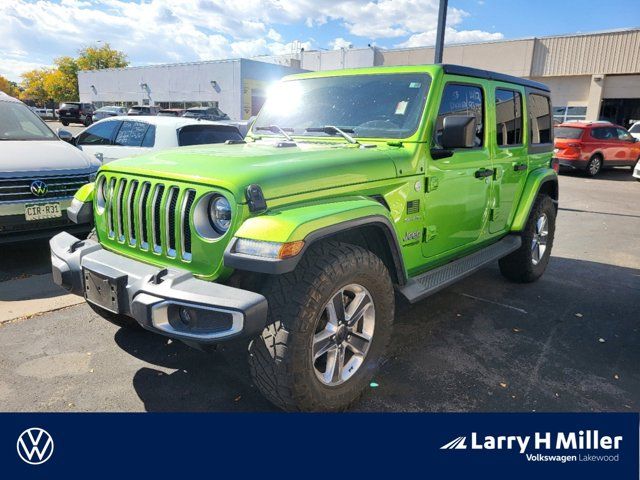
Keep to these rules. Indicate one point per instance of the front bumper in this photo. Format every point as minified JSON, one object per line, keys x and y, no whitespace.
{"x":157,"y":298}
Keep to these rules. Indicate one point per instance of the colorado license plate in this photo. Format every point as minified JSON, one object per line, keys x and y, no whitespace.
{"x":42,"y":211}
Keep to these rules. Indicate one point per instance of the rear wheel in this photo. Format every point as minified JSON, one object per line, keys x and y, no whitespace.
{"x":64,"y":123}
{"x":87,"y":121}
{"x":594,"y":166}
{"x":329,"y":323}
{"x":529,"y":262}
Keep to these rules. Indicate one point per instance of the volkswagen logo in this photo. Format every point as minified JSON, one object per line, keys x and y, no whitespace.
{"x":39,"y":188}
{"x":35,"y":446}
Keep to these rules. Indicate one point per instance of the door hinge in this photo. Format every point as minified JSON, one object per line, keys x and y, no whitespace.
{"x":429,"y":233}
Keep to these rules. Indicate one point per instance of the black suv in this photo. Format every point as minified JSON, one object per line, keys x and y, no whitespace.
{"x":76,"y":112}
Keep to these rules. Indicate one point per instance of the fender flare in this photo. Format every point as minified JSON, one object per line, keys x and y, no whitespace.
{"x":379,"y":219}
{"x":537,"y":180}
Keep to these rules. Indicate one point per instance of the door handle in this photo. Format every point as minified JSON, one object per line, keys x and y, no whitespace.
{"x":520,"y":167}
{"x":484,"y":172}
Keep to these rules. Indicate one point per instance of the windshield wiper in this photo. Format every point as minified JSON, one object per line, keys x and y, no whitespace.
{"x":277,"y":129}
{"x":332,"y":130}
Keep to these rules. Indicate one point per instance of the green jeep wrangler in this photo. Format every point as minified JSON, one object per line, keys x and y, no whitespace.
{"x":352,"y":185}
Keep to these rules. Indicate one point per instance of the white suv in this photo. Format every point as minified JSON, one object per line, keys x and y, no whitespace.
{"x":39,"y":174}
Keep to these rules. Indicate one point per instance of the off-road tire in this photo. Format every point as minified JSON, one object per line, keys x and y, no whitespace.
{"x":591,"y":169}
{"x":64,"y":123}
{"x":280,"y":358}
{"x":518,"y":266}
{"x":122,"y":321}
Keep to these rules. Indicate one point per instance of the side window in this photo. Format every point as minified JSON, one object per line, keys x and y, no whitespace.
{"x":540,"y":115}
{"x":604,"y":133}
{"x":508,"y":117}
{"x":149,"y":139}
{"x":131,"y":134}
{"x":461,"y":100}
{"x":99,"y":134}
{"x":623,"y":135}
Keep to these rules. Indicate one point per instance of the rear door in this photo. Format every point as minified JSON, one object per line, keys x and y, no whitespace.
{"x":510,"y":158}
{"x":458,"y":186}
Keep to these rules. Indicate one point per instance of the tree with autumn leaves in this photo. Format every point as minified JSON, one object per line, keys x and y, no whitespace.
{"x":60,"y":83}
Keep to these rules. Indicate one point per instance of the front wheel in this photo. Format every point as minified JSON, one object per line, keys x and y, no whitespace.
{"x":64,"y":123}
{"x":528,"y":263}
{"x":329,"y":323}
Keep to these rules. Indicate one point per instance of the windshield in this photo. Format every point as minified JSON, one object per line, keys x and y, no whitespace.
{"x":109,"y":109}
{"x":567,"y":132}
{"x":18,"y":122}
{"x":382,"y":106}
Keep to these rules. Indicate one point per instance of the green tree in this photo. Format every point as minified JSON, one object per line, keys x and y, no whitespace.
{"x":96,"y":58}
{"x":8,"y":87}
{"x":33,"y":85}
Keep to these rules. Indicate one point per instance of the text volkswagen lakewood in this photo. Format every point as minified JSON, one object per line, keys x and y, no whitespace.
{"x":350,"y":184}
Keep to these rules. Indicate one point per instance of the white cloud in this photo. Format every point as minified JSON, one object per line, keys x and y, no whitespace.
{"x":339,"y":43}
{"x":157,"y":31}
{"x":428,"y":38}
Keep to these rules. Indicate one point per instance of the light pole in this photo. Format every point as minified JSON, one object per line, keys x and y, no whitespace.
{"x":442,"y":22}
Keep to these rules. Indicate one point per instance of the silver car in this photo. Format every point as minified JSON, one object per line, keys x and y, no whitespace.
{"x":39,"y":174}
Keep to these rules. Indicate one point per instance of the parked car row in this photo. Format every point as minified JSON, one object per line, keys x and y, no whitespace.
{"x":591,"y":146}
{"x":86,"y":114}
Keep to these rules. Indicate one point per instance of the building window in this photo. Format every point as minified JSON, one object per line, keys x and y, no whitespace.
{"x":569,"y":114}
{"x":508,"y":117}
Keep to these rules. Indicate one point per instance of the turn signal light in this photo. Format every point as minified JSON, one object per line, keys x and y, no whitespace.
{"x":290,"y":249}
{"x":555,"y":164}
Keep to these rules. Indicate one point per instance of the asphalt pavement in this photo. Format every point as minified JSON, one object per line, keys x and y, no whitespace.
{"x":569,"y":342}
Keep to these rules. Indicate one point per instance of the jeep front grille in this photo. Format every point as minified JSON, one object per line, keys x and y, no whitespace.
{"x":149,"y":216}
{"x":19,"y":189}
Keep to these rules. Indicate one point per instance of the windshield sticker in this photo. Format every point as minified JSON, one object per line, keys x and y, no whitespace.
{"x":415,"y":85}
{"x":401,"y":107}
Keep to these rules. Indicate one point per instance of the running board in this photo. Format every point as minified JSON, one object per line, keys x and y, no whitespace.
{"x":430,"y":282}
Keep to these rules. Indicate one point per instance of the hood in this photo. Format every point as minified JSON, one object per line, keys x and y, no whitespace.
{"x":46,"y":157}
{"x":280,"y":171}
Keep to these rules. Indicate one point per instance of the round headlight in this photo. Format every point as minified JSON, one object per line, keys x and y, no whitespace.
{"x":220,"y":214}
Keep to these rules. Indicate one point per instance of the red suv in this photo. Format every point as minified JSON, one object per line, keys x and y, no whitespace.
{"x":591,"y":146}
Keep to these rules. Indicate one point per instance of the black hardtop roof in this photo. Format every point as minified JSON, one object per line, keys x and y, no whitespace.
{"x":489,"y":75}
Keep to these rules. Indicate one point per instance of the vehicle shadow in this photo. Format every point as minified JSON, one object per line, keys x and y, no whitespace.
{"x":568,"y":342}
{"x":619,"y":174}
{"x":19,"y":260}
{"x":200,"y":381}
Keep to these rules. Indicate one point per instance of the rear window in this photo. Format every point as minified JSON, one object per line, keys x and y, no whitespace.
{"x":70,"y":106}
{"x":635,"y":128}
{"x":203,"y":134}
{"x":568,"y":132}
{"x":540,"y":119}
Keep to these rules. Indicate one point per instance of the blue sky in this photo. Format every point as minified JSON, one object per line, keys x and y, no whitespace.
{"x":33,"y":33}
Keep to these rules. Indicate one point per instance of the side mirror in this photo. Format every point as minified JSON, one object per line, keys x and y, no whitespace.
{"x":65,"y":135}
{"x":458,"y":132}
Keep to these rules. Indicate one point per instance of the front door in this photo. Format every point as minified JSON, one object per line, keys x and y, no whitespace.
{"x":510,"y":159}
{"x":459,"y":186}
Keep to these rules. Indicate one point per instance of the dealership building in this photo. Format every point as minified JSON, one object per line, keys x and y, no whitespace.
{"x":592,"y":75}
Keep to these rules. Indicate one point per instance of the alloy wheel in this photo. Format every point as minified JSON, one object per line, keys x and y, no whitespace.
{"x":539,"y":241}
{"x":343,"y":335}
